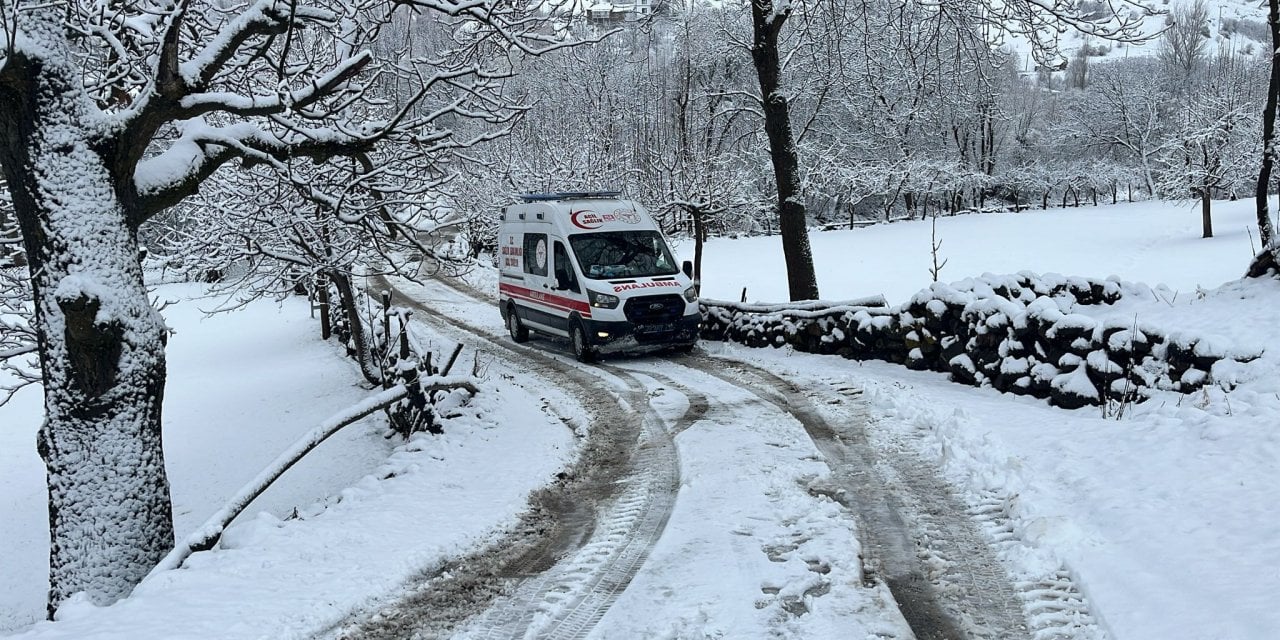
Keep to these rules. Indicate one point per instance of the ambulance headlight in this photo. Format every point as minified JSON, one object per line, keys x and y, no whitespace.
{"x":690,"y":295}
{"x":602,"y":300}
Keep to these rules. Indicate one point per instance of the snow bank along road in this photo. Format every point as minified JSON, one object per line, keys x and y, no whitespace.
{"x":713,"y":498}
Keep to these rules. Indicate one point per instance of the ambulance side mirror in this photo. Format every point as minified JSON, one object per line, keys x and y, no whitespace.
{"x":564,"y":281}
{"x":687,"y":268}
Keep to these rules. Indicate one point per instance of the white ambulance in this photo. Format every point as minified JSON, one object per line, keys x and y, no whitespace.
{"x":595,"y":269}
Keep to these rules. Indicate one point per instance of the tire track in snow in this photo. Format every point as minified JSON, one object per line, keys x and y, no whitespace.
{"x":699,"y":404}
{"x":922,"y":542}
{"x":583,"y":539}
{"x":570,"y":598}
{"x":1052,"y":603}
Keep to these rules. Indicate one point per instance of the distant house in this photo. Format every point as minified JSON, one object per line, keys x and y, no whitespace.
{"x":622,"y":11}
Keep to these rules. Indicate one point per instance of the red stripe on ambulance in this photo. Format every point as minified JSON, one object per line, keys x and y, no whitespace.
{"x":553,"y":301}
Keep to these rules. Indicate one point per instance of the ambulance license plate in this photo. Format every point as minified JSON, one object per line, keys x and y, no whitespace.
{"x":655,"y":328}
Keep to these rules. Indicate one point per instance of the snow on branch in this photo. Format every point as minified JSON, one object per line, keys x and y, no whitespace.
{"x":265,"y":17}
{"x":198,"y":104}
{"x":1042,"y":22}
{"x":247,"y":94}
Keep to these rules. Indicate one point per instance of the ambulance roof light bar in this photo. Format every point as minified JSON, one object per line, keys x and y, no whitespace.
{"x":569,"y":195}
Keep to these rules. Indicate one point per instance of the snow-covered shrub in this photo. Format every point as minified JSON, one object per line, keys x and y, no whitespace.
{"x":399,"y":359}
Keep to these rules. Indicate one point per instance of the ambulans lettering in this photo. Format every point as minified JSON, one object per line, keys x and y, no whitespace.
{"x":644,"y":285}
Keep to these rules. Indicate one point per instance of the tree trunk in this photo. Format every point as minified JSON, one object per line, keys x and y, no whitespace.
{"x":1265,"y":230}
{"x":322,"y":297}
{"x":1206,"y":222}
{"x":1148,"y":177}
{"x":101,"y":342}
{"x":699,"y":237}
{"x":359,"y":340}
{"x":802,"y":282}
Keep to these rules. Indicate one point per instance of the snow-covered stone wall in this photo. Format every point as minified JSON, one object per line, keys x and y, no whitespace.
{"x":1020,"y":334}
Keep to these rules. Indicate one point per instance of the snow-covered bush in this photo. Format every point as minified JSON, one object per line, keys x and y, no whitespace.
{"x":398,"y":359}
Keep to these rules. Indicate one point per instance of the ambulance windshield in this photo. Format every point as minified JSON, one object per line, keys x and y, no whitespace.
{"x":623,"y":254}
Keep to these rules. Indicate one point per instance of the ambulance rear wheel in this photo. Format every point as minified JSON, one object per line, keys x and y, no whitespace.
{"x":581,"y":350}
{"x":519,"y":332}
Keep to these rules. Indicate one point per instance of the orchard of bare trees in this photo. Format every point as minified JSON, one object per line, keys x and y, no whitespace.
{"x":894,"y":110}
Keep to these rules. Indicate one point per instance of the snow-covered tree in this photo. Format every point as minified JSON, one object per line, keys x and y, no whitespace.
{"x":1183,"y":46}
{"x":115,"y":111}
{"x":1214,"y":139}
{"x":1124,"y":114}
{"x":1266,"y":229}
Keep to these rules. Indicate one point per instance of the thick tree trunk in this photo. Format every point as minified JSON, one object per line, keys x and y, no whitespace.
{"x":1265,"y":230}
{"x":101,"y":342}
{"x":802,"y":282}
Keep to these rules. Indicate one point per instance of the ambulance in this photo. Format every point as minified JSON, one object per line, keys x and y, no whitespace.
{"x":595,"y":269}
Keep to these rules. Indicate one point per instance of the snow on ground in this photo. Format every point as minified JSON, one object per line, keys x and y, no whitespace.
{"x":1142,"y":242}
{"x":749,"y":552}
{"x":242,"y":387}
{"x":1165,"y":517}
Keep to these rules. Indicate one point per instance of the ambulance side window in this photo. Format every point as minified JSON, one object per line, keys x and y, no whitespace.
{"x":565,"y":278}
{"x":535,"y":254}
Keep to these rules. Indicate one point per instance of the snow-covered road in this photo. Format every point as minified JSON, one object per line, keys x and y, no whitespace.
{"x":743,"y":506}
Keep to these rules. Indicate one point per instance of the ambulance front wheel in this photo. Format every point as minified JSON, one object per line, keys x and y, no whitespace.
{"x":519,"y":332}
{"x":581,"y":349}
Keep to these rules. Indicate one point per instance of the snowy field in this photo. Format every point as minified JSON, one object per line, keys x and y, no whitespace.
{"x":1136,"y":242}
{"x":1165,"y":519}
